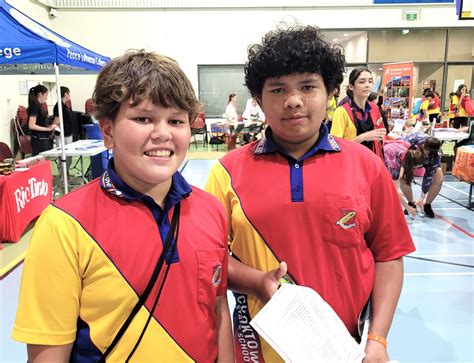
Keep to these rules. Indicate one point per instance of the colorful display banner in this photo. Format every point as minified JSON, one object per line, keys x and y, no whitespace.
{"x":397,"y":85}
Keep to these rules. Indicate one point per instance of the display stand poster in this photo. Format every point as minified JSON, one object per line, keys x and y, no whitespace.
{"x":398,"y":90}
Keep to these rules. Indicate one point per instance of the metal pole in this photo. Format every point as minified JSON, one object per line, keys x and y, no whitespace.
{"x":61,"y":126}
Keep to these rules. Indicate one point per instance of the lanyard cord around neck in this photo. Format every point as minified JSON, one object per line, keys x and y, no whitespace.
{"x":141,"y":301}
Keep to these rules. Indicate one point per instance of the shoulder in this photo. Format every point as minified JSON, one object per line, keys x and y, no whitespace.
{"x":356,"y":155}
{"x":206,"y":205}
{"x":33,"y":110}
{"x":240,"y":155}
{"x":81,"y":200}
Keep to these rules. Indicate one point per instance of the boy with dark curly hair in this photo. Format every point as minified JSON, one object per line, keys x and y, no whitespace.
{"x":324,"y":205}
{"x":132,"y":266}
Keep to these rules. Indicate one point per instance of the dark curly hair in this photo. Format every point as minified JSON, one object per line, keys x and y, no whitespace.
{"x":290,"y":50}
{"x":138,"y":75}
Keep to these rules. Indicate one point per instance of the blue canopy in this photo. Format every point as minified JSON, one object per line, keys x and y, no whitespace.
{"x":24,"y":41}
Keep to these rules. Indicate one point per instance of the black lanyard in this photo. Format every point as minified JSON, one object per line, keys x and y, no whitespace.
{"x":174,"y":227}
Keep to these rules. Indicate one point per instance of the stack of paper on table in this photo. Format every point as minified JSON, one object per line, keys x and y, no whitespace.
{"x":302,"y":327}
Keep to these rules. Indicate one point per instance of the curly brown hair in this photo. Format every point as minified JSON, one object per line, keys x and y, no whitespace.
{"x":139,"y":75}
{"x":290,"y":50}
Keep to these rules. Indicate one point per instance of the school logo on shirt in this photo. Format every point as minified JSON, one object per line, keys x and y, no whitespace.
{"x":216,"y":275}
{"x":347,"y":220}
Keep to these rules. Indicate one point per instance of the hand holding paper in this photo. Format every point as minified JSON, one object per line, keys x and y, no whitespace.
{"x":302,"y":327}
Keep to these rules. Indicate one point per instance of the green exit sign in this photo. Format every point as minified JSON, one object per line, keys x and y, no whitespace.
{"x":411,"y":15}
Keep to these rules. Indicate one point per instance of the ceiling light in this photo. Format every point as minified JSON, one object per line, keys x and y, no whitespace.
{"x":335,"y":40}
{"x":405,"y":31}
{"x":345,"y":34}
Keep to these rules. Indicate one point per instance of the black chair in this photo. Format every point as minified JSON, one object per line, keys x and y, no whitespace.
{"x":199,"y":131}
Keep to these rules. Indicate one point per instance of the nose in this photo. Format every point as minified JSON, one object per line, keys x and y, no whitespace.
{"x":161,"y":131}
{"x":294,"y":100}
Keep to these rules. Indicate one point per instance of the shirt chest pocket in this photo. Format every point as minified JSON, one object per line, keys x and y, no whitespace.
{"x":210,"y":274}
{"x":345,"y":221}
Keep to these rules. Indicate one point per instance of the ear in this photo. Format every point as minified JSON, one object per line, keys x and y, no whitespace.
{"x":107,"y":129}
{"x":350,"y":86}
{"x":259,"y":101}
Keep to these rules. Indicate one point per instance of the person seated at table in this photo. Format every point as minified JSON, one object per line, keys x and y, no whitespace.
{"x":433,"y":177}
{"x":130,"y":286}
{"x":360,"y":120}
{"x":253,"y":111}
{"x":38,"y":120}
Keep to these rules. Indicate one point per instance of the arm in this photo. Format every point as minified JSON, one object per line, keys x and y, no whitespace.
{"x":33,"y":126}
{"x":375,"y":134}
{"x":385,"y":295}
{"x":49,"y":353}
{"x":224,"y":330}
{"x":411,"y":211}
{"x":247,"y":280}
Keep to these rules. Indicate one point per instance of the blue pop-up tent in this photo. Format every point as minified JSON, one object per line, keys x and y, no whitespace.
{"x":25,"y":41}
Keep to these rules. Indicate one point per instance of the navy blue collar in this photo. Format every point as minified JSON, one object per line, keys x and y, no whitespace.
{"x":111,"y":183}
{"x":366,"y":110}
{"x":325,"y":142}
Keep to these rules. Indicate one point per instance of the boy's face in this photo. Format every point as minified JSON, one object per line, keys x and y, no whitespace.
{"x":294,"y":107}
{"x":150,"y":143}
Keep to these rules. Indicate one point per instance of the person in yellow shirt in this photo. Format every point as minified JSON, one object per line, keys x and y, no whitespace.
{"x":460,"y":114}
{"x":360,"y":120}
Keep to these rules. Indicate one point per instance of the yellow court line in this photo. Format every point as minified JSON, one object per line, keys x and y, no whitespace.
{"x":9,"y":266}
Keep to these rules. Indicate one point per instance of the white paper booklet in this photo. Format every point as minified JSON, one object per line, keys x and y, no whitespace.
{"x":302,"y":327}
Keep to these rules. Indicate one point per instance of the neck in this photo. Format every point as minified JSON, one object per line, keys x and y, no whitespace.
{"x":298,"y":148}
{"x":360,"y":101}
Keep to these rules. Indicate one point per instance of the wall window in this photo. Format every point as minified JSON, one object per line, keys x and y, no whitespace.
{"x":418,"y":45}
{"x":216,"y":83}
{"x":461,"y":45}
{"x":353,"y":42}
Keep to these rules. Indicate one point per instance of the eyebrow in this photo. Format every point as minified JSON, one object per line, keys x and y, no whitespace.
{"x":308,"y":80}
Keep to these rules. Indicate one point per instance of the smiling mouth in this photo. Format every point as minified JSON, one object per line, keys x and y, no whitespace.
{"x":159,"y":153}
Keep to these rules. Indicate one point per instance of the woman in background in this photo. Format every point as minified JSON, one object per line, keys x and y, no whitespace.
{"x":38,"y":120}
{"x":231,"y":111}
{"x":360,"y":120}
{"x":460,"y":114}
{"x":232,"y":120}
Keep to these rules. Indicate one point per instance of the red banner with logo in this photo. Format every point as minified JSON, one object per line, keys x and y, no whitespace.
{"x":23,"y":196}
{"x":397,"y":88}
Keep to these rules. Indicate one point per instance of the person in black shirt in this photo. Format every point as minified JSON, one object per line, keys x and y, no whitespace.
{"x":67,"y":120}
{"x":38,"y":120}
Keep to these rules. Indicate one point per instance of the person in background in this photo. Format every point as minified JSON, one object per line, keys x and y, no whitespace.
{"x":460,"y":114}
{"x":332,"y":105}
{"x":67,"y":119}
{"x":232,"y":121}
{"x":433,"y":177}
{"x":429,"y":107}
{"x":375,"y":96}
{"x":401,"y":161}
{"x":231,"y":111}
{"x":253,"y":111}
{"x":360,"y":120}
{"x":288,"y":199}
{"x":452,"y":109}
{"x":130,"y":286}
{"x":38,"y":120}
